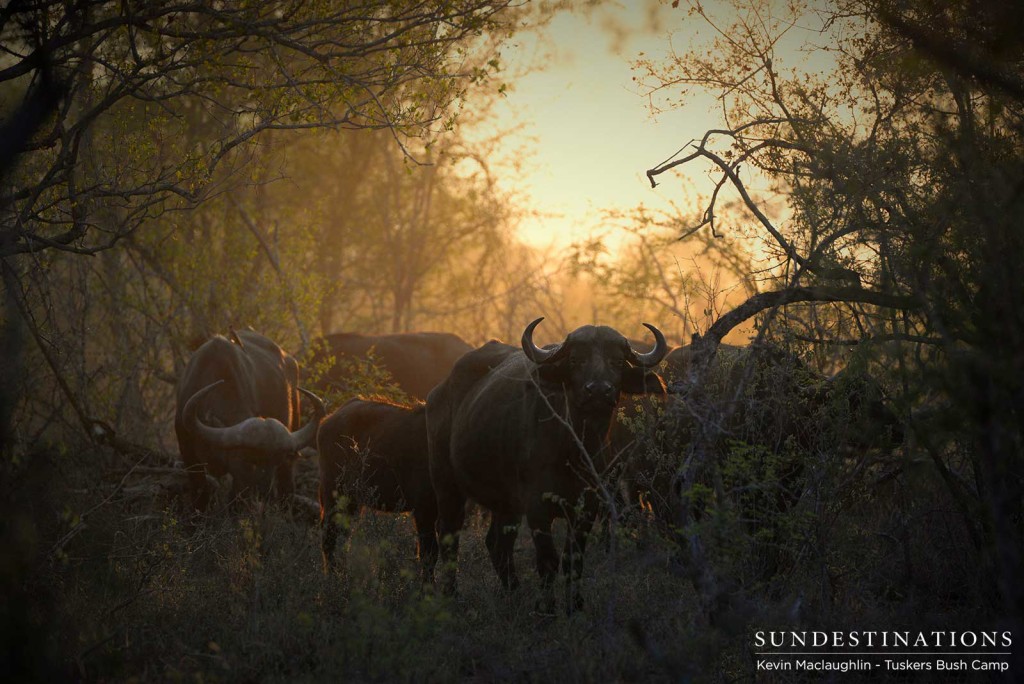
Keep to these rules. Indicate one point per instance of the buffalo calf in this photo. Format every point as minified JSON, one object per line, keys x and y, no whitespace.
{"x":374,"y":454}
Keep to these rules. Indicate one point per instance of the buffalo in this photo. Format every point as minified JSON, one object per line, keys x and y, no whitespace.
{"x":416,"y":361}
{"x":773,"y":395}
{"x":770,"y":426}
{"x":761,"y":391}
{"x":374,"y":454}
{"x":238,"y":413}
{"x":525,"y":432}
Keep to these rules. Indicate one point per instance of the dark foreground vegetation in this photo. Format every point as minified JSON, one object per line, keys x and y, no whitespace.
{"x":144,"y":591}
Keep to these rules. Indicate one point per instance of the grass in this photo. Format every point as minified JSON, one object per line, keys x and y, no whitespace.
{"x":143,"y":593}
{"x":244,"y":598}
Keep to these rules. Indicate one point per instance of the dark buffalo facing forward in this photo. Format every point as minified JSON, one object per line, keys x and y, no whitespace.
{"x":417,"y":362}
{"x":238,"y":413}
{"x":525,"y":432}
{"x":374,"y":454}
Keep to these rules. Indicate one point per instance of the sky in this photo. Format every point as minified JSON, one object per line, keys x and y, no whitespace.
{"x":582,"y":134}
{"x":587,"y":131}
{"x":590,"y":132}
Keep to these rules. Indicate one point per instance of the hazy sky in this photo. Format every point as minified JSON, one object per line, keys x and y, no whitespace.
{"x":590,"y":132}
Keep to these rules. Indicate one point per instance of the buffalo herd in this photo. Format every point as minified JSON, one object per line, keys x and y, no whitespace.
{"x":523,"y":431}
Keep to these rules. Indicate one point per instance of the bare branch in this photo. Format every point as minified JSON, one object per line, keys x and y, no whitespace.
{"x":767,"y":300}
{"x":263,"y":67}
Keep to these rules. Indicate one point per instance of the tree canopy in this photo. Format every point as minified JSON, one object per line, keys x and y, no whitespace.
{"x":183,"y":93}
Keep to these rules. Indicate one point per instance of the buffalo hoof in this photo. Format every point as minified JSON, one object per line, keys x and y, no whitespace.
{"x":573,"y":604}
{"x":449,"y":587}
{"x":544,"y":607}
{"x":335,"y":564}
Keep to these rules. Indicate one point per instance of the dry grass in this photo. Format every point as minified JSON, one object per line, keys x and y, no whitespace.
{"x":143,"y":593}
{"x":241,"y":597}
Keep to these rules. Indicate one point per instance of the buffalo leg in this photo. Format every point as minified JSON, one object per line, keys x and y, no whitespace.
{"x":284,"y":480}
{"x":451,"y":512}
{"x":547,"y":557}
{"x":333,"y":525}
{"x":248,"y":481}
{"x":501,"y":541}
{"x":199,"y":487}
{"x":328,"y":530}
{"x":451,"y":502}
{"x":572,"y":558}
{"x":237,"y":488}
{"x":331,"y":522}
{"x":327,"y":492}
{"x":425,"y":517}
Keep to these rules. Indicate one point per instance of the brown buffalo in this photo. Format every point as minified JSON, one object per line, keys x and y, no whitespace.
{"x":525,"y":432}
{"x":374,"y":454}
{"x":416,"y":361}
{"x":238,"y":413}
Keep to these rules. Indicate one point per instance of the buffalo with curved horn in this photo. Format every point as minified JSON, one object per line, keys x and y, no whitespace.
{"x":238,"y":413}
{"x":525,"y":432}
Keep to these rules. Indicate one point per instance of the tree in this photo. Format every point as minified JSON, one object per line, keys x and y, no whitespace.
{"x":653,"y":275}
{"x":173,"y":116}
{"x":409,"y":233}
{"x":902,"y":173}
{"x":163,"y":103}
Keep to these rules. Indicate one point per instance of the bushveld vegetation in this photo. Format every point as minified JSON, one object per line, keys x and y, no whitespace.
{"x":178,"y":170}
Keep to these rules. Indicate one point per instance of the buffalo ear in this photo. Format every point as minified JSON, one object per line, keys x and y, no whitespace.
{"x":641,"y":381}
{"x":555,"y":373}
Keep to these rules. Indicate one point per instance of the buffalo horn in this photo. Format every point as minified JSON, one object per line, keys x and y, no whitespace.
{"x":656,"y":355}
{"x":306,"y":436}
{"x":533,"y":352}
{"x":261,"y":434}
